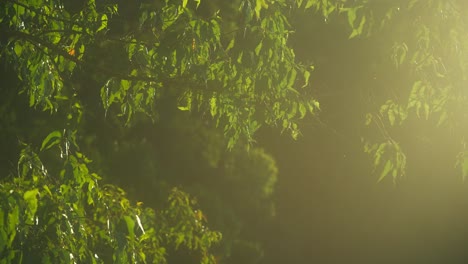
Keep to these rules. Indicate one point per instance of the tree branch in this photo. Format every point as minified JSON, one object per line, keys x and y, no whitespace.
{"x":38,"y":42}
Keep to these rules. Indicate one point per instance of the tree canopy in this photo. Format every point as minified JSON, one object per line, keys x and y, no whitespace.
{"x":178,"y":90}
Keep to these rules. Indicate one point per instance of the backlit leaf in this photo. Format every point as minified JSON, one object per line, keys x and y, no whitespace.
{"x":213,"y":107}
{"x":387,"y":168}
{"x":51,"y":140}
{"x":306,"y":78}
{"x":130,"y":226}
{"x":103,"y":23}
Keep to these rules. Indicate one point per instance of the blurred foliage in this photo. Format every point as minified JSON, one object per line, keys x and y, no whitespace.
{"x":426,"y":42}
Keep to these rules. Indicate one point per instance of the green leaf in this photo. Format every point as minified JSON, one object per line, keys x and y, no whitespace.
{"x":180,"y":238}
{"x":310,"y":3}
{"x":293,"y":90}
{"x":239,"y":58}
{"x":230,"y":45}
{"x":131,"y":49}
{"x":292,"y":78}
{"x":378,"y":154}
{"x":51,"y":140}
{"x":47,"y":190}
{"x":443,"y":117}
{"x":388,"y":166}
{"x":258,"y":48}
{"x":361,"y":25}
{"x":306,"y":78}
{"x":125,"y":84}
{"x":13,"y":221}
{"x":13,"y":216}
{"x":103,"y":23}
{"x":130,"y":227}
{"x":353,"y":34}
{"x":213,"y":107}
{"x":32,"y":99}
{"x":351,"y":16}
{"x":30,"y":197}
{"x":188,"y":106}
{"x":18,"y":49}
{"x":259,"y":4}
{"x":81,"y":50}
{"x":302,"y":110}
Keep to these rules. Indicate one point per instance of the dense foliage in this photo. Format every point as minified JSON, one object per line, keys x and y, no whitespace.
{"x":53,"y":207}
{"x":155,"y":91}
